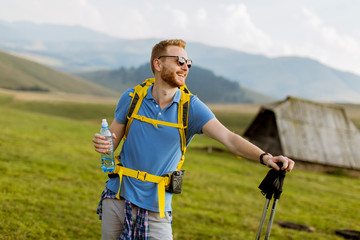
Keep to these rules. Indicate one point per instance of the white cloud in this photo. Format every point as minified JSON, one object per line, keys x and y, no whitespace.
{"x":330,"y":34}
{"x":179,"y":19}
{"x":312,"y":19}
{"x":201,"y":15}
{"x":340,"y":50}
{"x":218,"y":24}
{"x":70,"y":12}
{"x":248,"y":36}
{"x":221,"y":25}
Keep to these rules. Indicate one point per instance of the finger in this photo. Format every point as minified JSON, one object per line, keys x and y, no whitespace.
{"x":103,"y":144}
{"x":98,"y":135}
{"x":99,"y":139}
{"x":285,"y":162}
{"x":101,"y":149}
{"x":288,"y":164}
{"x":100,"y":142}
{"x":280,"y":159}
{"x":272,"y":163}
{"x":114,"y":136}
{"x":291,"y":165}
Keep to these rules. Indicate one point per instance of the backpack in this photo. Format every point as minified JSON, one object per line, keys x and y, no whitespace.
{"x":170,"y":182}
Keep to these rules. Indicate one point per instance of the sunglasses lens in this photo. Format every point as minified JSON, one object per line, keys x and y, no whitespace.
{"x":181,"y":61}
{"x":189,"y":63}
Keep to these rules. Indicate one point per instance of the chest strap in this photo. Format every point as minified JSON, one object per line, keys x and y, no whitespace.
{"x":158,"y":122}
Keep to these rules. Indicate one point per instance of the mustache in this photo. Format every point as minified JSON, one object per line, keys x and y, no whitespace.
{"x":182,"y":72}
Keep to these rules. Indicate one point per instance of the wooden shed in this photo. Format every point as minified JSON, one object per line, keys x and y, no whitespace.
{"x":307,"y":131}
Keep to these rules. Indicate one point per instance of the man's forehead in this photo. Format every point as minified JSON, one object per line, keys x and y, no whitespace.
{"x":176,"y":51}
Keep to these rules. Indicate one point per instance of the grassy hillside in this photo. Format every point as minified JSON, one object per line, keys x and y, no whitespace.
{"x":51,"y":182}
{"x":20,"y":74}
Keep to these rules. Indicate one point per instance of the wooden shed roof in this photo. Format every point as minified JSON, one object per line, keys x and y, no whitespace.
{"x":307,"y":131}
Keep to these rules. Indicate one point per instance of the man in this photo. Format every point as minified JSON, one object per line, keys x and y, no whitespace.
{"x":155,"y":149}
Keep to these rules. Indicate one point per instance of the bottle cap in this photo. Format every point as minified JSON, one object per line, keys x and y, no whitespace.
{"x":104,"y":123}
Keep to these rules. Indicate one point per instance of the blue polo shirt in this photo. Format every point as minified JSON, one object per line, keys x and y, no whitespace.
{"x":155,"y":150}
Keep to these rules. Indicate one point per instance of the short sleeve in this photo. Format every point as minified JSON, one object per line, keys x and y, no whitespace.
{"x":123,"y":106}
{"x":199,"y":115}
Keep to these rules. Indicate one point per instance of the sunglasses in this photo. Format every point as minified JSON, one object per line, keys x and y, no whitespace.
{"x":181,"y":60}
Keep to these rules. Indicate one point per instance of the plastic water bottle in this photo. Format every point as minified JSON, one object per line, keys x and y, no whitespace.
{"x":107,"y":159}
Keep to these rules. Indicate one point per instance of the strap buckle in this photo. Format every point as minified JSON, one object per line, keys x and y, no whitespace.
{"x":141,"y":175}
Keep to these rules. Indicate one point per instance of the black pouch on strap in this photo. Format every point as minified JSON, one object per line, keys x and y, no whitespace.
{"x":176,"y":180}
{"x":115,"y":175}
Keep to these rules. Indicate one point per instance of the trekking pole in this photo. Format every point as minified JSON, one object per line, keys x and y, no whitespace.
{"x":271,"y":185}
{"x":263,"y":216}
{"x":271,"y":219}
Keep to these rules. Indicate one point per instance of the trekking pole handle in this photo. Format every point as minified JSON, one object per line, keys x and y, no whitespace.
{"x":281,"y":177}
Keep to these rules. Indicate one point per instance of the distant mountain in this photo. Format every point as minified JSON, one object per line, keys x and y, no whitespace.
{"x":204,"y":83}
{"x":281,"y":76}
{"x":74,"y":49}
{"x":20,"y":74}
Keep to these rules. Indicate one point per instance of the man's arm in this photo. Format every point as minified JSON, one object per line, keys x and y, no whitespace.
{"x":241,"y":147}
{"x":117,"y":129}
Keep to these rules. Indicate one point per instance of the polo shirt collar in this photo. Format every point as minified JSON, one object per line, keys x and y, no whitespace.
{"x":176,"y":98}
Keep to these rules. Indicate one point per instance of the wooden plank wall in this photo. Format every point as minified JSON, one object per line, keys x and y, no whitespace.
{"x":318,"y":133}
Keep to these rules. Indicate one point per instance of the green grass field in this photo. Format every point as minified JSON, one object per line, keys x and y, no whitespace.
{"x":51,"y":182}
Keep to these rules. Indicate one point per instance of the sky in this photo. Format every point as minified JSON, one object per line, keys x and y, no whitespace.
{"x":325,"y":30}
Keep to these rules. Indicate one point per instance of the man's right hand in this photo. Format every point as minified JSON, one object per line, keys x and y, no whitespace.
{"x":100,"y":145}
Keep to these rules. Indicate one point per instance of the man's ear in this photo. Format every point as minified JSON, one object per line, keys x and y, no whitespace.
{"x":157,"y":64}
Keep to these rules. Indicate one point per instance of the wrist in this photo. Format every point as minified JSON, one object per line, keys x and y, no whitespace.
{"x":264,"y":157}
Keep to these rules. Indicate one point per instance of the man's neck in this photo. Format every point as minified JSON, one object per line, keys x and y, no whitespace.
{"x":163,"y":93}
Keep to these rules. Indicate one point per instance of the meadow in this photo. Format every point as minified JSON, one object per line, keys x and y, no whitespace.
{"x":51,"y":180}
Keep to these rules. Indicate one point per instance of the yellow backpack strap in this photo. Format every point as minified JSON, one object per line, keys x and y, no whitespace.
{"x":157,"y":122}
{"x":144,"y":176}
{"x":183,"y":116}
{"x":161,"y":182}
{"x":137,"y":98}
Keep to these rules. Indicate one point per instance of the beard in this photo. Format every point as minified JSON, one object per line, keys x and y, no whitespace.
{"x":170,"y":78}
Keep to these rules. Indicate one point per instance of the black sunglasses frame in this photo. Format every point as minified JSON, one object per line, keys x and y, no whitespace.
{"x":181,"y":60}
